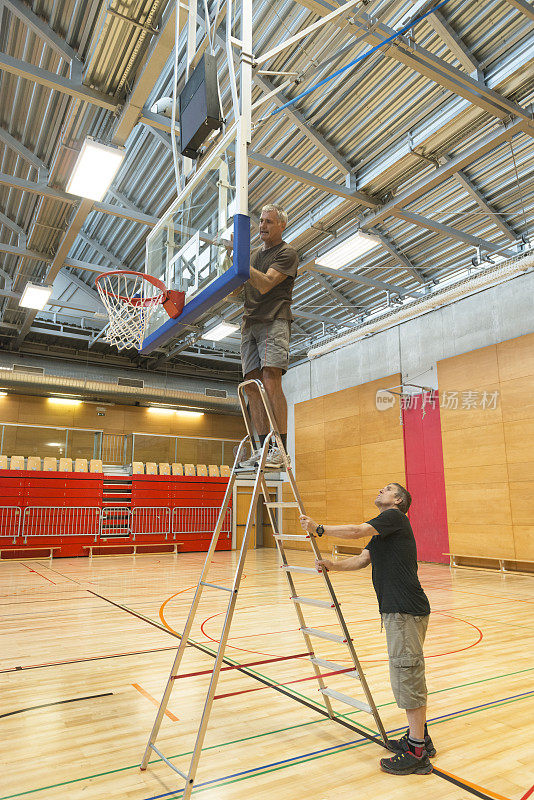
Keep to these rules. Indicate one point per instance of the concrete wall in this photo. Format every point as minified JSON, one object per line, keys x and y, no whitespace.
{"x":413,"y":348}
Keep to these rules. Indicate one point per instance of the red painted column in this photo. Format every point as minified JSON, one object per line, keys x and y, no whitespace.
{"x":425,"y":479}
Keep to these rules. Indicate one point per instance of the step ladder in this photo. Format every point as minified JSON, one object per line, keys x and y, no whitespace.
{"x":309,"y":633}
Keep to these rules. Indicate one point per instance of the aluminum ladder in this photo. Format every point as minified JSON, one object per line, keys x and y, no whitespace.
{"x":309,"y":633}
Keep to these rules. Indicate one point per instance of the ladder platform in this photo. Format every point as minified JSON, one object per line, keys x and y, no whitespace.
{"x":216,"y":586}
{"x":282,"y":504}
{"x":333,"y":667}
{"x":308,"y":601}
{"x":332,"y":637}
{"x":292,"y":537}
{"x":345,"y":698}
{"x":306,"y":570}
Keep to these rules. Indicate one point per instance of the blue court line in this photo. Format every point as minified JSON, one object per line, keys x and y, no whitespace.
{"x":274,"y":764}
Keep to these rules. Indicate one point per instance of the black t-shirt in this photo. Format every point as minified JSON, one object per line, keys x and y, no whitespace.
{"x":394,"y":564}
{"x":276,"y":303}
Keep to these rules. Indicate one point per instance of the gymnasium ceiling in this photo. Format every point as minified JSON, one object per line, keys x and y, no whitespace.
{"x":427,"y":144}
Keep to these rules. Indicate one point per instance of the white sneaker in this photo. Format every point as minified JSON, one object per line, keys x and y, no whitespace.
{"x":250,"y":463}
{"x":275,"y":459}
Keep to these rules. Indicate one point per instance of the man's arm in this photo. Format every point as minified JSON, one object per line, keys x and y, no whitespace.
{"x":347,"y":564}
{"x":265,"y":281}
{"x":341,"y":531}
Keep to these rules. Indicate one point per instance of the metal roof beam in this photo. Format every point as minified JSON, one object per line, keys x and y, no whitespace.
{"x":9,"y":223}
{"x":454,"y":42}
{"x":59,"y":259}
{"x":22,"y":252}
{"x":316,"y":138}
{"x":452,"y":233}
{"x":441,"y":72}
{"x":154,"y":62}
{"x":337,"y":295}
{"x":354,"y":277}
{"x":398,"y":256}
{"x":524,"y":6}
{"x":74,"y":88}
{"x":24,"y":153}
{"x":481,"y":201}
{"x":46,"y":33}
{"x":117,"y":263}
{"x":272,"y":165}
{"x":56,"y":194}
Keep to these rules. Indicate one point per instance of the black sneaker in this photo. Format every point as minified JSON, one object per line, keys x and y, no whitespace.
{"x":401,"y":745}
{"x":406,"y":763}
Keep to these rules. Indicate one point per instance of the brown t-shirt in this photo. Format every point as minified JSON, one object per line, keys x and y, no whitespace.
{"x":276,"y":303}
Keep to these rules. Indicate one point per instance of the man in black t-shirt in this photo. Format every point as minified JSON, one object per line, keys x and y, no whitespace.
{"x":266,"y":326}
{"x":404,"y":609}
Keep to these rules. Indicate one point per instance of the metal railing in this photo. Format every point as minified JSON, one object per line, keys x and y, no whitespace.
{"x":151,"y":520}
{"x":199,"y":519}
{"x":119,"y":522}
{"x":10,"y":521}
{"x":46,"y":521}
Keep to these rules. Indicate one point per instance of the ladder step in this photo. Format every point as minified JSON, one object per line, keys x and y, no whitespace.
{"x":344,"y":698}
{"x":332,"y":637}
{"x":307,"y":601}
{"x":321,"y":662}
{"x":160,"y":754}
{"x":307,"y":570}
{"x":215,"y":586}
{"x":292,"y":537}
{"x":283,"y":504}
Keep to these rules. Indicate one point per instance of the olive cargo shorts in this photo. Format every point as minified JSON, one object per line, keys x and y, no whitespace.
{"x":405,"y":635}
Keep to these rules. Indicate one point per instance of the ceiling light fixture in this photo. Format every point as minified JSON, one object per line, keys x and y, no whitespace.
{"x":35,"y":296}
{"x":347,"y":251}
{"x":95,"y":168}
{"x":182,"y":412}
{"x":67,"y":401}
{"x":220,"y":331}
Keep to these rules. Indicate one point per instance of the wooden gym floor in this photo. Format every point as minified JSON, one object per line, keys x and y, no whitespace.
{"x":80,"y":678}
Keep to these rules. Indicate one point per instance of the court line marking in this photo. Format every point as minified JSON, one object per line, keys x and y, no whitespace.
{"x":345,"y":746}
{"x":153,"y":700}
{"x":37,"y":573}
{"x":528,"y":793}
{"x":56,"y":703}
{"x":83,"y":660}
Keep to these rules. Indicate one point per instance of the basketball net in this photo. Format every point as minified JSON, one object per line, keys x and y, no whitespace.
{"x":130,"y":301}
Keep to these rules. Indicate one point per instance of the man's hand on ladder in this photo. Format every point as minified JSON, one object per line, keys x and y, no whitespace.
{"x":324,"y":564}
{"x":308,"y":524}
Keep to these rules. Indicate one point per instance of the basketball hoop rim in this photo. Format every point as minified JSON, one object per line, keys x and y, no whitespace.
{"x":134,"y":301}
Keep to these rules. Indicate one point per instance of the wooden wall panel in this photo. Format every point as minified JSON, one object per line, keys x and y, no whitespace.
{"x":345,"y":451}
{"x":488,"y":453}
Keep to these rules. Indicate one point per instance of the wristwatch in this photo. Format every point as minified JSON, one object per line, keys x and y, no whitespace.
{"x":319,"y":530}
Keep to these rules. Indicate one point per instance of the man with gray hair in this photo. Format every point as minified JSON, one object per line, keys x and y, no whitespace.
{"x":266,"y":326}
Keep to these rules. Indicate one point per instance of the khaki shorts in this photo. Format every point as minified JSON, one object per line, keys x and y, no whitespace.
{"x":265,"y":344}
{"x":405,"y":635}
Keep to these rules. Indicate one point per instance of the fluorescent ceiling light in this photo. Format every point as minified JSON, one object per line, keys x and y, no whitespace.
{"x":181,"y":412}
{"x":347,"y":251}
{"x":95,"y":169}
{"x":3,"y":394}
{"x":35,"y":296}
{"x":54,"y":444}
{"x":67,"y":401}
{"x":220,"y":331}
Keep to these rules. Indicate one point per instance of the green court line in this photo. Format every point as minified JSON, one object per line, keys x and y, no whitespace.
{"x":282,"y":730}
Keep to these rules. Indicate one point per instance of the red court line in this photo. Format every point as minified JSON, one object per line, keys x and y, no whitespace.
{"x":153,"y":700}
{"x":527,"y":794}
{"x":38,"y":573}
{"x":240,"y":666}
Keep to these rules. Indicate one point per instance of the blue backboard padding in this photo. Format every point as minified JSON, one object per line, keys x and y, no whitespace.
{"x":234,"y":277}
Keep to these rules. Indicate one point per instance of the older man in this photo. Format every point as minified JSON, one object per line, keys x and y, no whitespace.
{"x":266,"y":326}
{"x":405,"y":610}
